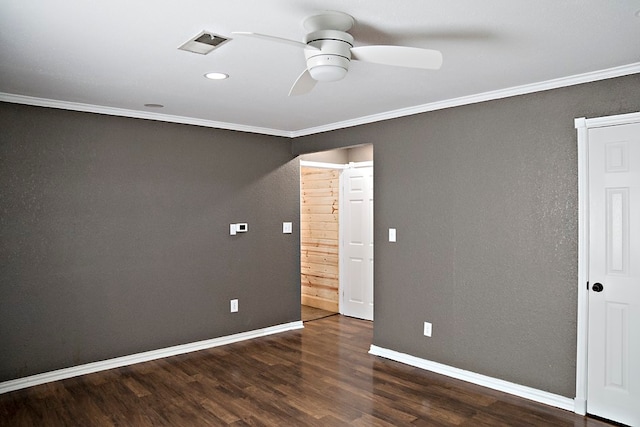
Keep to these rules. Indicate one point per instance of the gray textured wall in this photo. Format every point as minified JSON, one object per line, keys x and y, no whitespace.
{"x":484,"y":199}
{"x":114,"y":236}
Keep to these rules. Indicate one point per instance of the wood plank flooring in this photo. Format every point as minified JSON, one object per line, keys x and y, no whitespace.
{"x":309,"y":314}
{"x":319,"y":376}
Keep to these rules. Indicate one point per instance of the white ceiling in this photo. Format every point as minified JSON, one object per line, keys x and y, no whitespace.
{"x":115,"y":56}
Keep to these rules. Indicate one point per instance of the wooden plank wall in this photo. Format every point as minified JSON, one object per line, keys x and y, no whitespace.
{"x":319,"y":237}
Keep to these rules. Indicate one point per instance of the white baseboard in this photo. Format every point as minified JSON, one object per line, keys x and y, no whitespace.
{"x":483,"y":380}
{"x":580,"y":406}
{"x":146,"y":356}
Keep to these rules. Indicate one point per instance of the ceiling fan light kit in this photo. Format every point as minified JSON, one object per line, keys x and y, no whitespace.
{"x":328,"y":72}
{"x":329,"y":49}
{"x":328,"y":59}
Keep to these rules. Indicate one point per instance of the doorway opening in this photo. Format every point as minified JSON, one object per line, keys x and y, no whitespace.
{"x":326,"y":276}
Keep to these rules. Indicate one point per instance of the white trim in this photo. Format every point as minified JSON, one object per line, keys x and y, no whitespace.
{"x":582,"y":126}
{"x":583,"y":269}
{"x":598,"y":122}
{"x":122,"y":112}
{"x":593,"y":76}
{"x":482,"y":380}
{"x":146,"y":356}
{"x":341,"y":233}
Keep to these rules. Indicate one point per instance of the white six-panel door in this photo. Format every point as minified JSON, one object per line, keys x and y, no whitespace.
{"x":356,"y":251}
{"x":613,"y":360}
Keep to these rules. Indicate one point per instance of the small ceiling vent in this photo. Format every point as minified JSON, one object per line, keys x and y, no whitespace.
{"x":204,"y":43}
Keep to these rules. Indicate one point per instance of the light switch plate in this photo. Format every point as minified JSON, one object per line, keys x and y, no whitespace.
{"x":427,"y":329}
{"x":287,"y":227}
{"x":392,"y":234}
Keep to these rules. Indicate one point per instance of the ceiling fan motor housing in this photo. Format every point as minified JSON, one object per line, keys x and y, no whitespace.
{"x":331,"y":62}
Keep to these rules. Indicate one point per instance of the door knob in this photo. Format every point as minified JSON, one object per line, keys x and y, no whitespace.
{"x":597,"y":287}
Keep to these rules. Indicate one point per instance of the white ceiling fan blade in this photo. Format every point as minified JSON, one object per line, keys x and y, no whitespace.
{"x":303,"y":84}
{"x":401,"y":56}
{"x":273,"y":39}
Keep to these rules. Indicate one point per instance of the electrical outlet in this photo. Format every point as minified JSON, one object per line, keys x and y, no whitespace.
{"x":427,"y":329}
{"x":234,"y":305}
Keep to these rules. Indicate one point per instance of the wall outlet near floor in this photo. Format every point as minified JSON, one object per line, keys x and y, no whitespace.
{"x":234,"y":305}
{"x":427,"y":329}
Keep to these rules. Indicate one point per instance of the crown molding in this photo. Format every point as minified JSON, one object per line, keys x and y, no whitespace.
{"x":624,"y":70}
{"x":593,"y":76}
{"x":122,"y":112}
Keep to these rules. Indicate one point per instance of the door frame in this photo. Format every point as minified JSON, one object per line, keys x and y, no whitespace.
{"x":582,"y":126}
{"x":341,"y":231}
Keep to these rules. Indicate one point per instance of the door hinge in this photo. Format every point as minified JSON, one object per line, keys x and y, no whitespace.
{"x":587,"y":285}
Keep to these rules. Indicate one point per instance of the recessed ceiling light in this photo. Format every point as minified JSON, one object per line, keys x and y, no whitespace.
{"x":154,"y":105}
{"x":217,"y":76}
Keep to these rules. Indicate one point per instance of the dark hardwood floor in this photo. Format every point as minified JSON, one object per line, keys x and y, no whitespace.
{"x":319,"y":376}
{"x":309,"y":314}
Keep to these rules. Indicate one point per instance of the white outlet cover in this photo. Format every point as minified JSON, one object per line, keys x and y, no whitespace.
{"x":392,"y":234}
{"x":234,"y":305}
{"x":287,"y":228}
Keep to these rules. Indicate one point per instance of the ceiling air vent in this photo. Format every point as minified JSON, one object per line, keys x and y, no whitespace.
{"x":204,"y":43}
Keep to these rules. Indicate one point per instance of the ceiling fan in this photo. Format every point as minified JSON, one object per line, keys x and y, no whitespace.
{"x":328,"y":50}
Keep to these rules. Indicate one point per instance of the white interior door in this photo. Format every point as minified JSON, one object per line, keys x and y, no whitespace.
{"x":614,"y":273}
{"x":356,"y":252}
